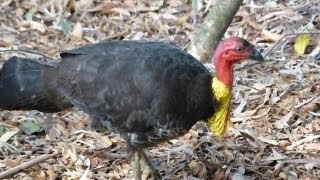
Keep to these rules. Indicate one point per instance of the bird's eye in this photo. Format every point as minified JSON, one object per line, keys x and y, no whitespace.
{"x":239,"y":49}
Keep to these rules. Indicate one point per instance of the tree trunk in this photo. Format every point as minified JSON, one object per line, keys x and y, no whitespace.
{"x":212,"y":29}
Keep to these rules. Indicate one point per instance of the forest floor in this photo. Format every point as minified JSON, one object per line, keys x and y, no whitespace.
{"x":275,"y":120}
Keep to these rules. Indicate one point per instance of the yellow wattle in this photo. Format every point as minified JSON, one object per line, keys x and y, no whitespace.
{"x":219,"y":122}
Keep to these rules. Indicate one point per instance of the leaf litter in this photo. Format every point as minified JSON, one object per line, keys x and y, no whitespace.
{"x":276,"y":106}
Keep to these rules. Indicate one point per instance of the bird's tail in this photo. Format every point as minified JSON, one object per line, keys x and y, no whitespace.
{"x":22,"y":87}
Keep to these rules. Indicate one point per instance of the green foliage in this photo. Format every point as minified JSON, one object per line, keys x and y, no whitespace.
{"x":30,"y":126}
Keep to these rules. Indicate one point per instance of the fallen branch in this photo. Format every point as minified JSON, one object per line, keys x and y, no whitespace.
{"x":115,"y":36}
{"x":25,"y":165}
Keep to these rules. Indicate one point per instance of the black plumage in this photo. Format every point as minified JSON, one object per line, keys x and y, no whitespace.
{"x":147,"y":91}
{"x":22,"y":87}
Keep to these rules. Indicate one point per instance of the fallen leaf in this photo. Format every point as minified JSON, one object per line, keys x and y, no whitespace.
{"x":240,"y":174}
{"x":6,"y":3}
{"x":312,"y":146}
{"x":121,"y":11}
{"x":65,"y":25}
{"x":182,"y":19}
{"x":198,"y":168}
{"x":77,"y":31}
{"x":269,"y":141}
{"x":29,"y":127}
{"x":84,"y":176}
{"x":5,"y":44}
{"x":103,"y":8}
{"x":7,"y":135}
{"x":268,"y":36}
{"x":301,"y":44}
{"x":283,"y":122}
{"x":309,"y":138}
{"x":9,"y":163}
{"x":275,"y":156}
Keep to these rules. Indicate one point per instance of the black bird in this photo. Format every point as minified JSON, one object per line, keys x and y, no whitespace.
{"x":149,"y":92}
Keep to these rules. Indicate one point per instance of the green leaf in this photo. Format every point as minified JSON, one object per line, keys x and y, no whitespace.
{"x":29,"y":127}
{"x":66,"y":26}
{"x":31,"y":13}
{"x":301,"y":44}
{"x":196,"y":5}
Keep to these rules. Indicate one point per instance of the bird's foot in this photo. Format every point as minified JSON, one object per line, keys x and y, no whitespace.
{"x":142,"y":166}
{"x":148,"y":165}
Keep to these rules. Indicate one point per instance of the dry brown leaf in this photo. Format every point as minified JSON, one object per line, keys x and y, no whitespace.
{"x":8,"y":135}
{"x":275,"y":156}
{"x":283,"y":122}
{"x":255,"y":25}
{"x":5,"y":44}
{"x":267,"y":95}
{"x":239,"y":109}
{"x":309,"y":138}
{"x":33,"y":25}
{"x":269,"y":141}
{"x":312,"y":146}
{"x":51,"y":173}
{"x":6,"y":3}
{"x":219,"y":175}
{"x":182,"y":19}
{"x":9,"y":163}
{"x":77,"y":31}
{"x":169,"y":16}
{"x":268,"y":36}
{"x":103,"y":8}
{"x":198,"y":168}
{"x":121,"y":11}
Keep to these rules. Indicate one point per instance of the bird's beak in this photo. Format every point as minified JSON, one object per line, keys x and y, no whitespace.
{"x":256,"y":55}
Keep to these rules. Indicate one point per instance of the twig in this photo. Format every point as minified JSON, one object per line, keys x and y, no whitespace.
{"x":301,"y":141}
{"x":114,"y":36}
{"x":25,"y":165}
{"x":115,"y":155}
{"x":26,"y":51}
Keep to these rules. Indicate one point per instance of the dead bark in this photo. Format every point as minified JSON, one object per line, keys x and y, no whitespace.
{"x":210,"y":32}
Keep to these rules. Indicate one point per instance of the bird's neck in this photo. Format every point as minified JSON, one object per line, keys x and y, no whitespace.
{"x":224,"y":72}
{"x":219,"y":121}
{"x":222,"y":90}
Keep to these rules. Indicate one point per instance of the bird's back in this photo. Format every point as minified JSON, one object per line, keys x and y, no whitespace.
{"x":147,"y":91}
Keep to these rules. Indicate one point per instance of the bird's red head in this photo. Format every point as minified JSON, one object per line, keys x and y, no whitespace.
{"x":229,"y":52}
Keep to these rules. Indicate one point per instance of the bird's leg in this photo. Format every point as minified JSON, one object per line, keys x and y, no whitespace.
{"x":137,"y":166}
{"x":154,"y":170}
{"x":135,"y":155}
